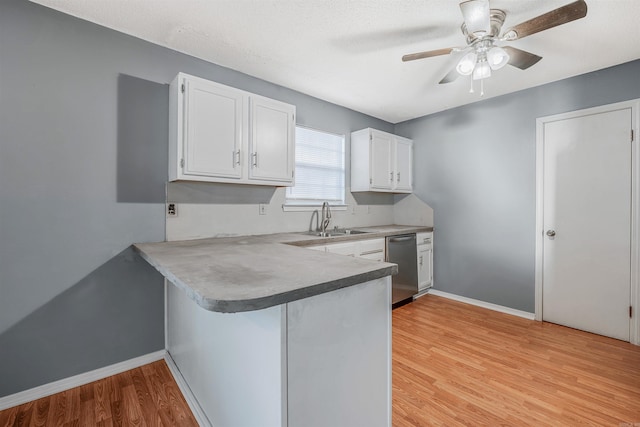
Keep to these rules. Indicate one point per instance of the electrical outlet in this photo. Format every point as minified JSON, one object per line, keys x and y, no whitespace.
{"x":172,"y":209}
{"x":262,"y":209}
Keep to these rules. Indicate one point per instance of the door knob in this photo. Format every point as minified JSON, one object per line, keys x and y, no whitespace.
{"x":551,"y":233}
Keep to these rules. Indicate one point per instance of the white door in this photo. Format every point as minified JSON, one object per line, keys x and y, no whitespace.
{"x":213,"y":130}
{"x":381,"y":172}
{"x":272,"y":140}
{"x":404,"y":148}
{"x":586,"y":277}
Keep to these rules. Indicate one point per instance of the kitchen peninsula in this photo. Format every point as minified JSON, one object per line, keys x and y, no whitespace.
{"x":265,"y":332}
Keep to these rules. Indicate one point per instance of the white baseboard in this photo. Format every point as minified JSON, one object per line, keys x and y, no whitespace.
{"x":197,"y":411}
{"x":78,"y":380}
{"x":483,"y":304}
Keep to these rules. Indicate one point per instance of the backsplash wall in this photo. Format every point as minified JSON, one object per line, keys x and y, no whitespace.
{"x":216,"y":215}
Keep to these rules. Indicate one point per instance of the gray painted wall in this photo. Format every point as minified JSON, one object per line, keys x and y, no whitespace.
{"x":83,"y":154}
{"x":477,"y":171}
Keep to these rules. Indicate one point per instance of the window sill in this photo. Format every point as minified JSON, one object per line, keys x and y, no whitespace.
{"x":309,"y":208}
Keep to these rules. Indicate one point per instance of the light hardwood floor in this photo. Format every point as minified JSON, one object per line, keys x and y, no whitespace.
{"x":453,"y":364}
{"x":456,"y":364}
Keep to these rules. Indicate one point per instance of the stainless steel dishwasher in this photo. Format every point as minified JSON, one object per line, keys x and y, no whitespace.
{"x":401,"y":250}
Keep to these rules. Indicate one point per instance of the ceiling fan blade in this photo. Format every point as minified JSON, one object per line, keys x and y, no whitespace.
{"x":520,"y":58}
{"x":450,"y":77}
{"x":427,"y":54}
{"x":476,"y":14}
{"x":562,"y":15}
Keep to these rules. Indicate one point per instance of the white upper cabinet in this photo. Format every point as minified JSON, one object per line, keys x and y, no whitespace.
{"x":404,"y":162}
{"x":272,"y":140}
{"x":381,"y":171}
{"x":211,"y":146}
{"x":381,"y":161}
{"x":222,"y":134}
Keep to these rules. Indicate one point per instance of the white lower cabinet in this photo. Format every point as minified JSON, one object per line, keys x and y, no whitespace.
{"x":368,"y":249}
{"x":349,"y":248}
{"x":315,"y":362}
{"x":371,"y":249}
{"x":424,"y":245}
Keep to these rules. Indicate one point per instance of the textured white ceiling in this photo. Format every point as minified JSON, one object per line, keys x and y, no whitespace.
{"x":348,"y":51}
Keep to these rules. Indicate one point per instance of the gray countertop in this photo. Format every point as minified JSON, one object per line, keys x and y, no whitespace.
{"x":234,"y":274}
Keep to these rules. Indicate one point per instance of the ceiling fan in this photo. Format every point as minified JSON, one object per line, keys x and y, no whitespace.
{"x":481,"y":28}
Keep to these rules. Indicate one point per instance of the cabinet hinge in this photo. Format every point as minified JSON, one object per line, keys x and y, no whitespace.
{"x":370,"y":180}
{"x":182,"y":163}
{"x":293,"y":174}
{"x":182,"y":88}
{"x":632,"y":135}
{"x":630,"y":311}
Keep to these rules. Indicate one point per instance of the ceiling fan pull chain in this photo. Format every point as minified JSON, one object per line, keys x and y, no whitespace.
{"x":481,"y":87}
{"x":471,"y":90}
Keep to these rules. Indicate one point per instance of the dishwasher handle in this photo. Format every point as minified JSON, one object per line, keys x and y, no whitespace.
{"x":401,"y":238}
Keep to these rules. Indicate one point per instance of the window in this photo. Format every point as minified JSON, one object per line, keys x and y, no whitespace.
{"x":320,"y":173}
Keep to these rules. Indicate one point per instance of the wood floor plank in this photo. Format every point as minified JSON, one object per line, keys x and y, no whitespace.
{"x":102,"y":397}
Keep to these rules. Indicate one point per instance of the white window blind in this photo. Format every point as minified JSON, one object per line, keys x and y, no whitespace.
{"x":320,"y":170}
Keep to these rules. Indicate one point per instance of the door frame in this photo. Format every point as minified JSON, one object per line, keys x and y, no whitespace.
{"x":634,"y":322}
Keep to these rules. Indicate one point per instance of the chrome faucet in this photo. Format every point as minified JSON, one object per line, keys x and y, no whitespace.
{"x":326,"y":217}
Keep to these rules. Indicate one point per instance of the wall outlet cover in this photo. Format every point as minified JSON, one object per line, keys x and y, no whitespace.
{"x":262,"y":209}
{"x":172,"y":209}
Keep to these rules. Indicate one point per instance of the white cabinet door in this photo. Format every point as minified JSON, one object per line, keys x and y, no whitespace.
{"x":212,"y":130}
{"x":375,"y":256}
{"x":348,"y":248}
{"x":371,"y":249}
{"x":381,"y":172}
{"x":425,"y":262}
{"x":424,"y":253}
{"x":272,"y":140}
{"x":403,"y":162}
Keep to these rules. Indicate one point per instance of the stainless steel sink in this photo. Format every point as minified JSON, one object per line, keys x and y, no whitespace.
{"x":335,"y":232}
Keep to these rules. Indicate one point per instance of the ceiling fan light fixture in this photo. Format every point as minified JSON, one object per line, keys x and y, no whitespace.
{"x":476,"y":15}
{"x":467,"y":64}
{"x":481,"y":71}
{"x":497,"y":57}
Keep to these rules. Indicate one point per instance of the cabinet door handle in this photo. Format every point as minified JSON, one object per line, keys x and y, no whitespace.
{"x":235,"y":158}
{"x":420,"y":260}
{"x":254,"y":157}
